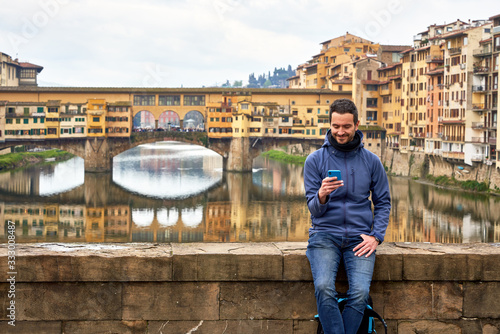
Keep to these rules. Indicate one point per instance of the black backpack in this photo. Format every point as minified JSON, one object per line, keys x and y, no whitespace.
{"x":367,"y":324}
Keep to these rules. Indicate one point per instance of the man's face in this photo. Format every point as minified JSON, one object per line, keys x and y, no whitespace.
{"x":343,"y":127}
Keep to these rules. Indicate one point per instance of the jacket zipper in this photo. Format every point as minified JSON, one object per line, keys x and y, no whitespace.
{"x":345,"y":198}
{"x":353,"y":180}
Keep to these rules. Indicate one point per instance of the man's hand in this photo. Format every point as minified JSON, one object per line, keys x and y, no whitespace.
{"x":328,"y":185}
{"x":367,"y":247}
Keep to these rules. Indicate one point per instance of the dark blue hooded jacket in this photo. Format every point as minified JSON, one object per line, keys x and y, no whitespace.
{"x":348,"y":210}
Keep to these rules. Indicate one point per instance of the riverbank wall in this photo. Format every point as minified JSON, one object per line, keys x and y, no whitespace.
{"x":237,"y":288}
{"x":420,"y":165}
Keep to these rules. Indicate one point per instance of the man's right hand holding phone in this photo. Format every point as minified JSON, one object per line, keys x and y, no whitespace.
{"x":328,"y":185}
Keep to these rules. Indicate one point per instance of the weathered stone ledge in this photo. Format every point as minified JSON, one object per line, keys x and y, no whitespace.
{"x":240,"y":288}
{"x":281,"y":261}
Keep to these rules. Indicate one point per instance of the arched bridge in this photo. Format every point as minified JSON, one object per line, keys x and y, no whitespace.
{"x":98,"y":152}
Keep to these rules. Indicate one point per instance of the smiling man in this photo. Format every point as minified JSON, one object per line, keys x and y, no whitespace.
{"x":344,"y":227}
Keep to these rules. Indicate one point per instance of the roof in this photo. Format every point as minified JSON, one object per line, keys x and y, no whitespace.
{"x":30,"y":65}
{"x":157,"y":90}
{"x":394,"y":47}
{"x":343,"y":81}
{"x":423,"y":48}
{"x":436,"y":71}
{"x":494,"y":17}
{"x":390,"y":67}
{"x":406,"y":51}
{"x":372,"y":82}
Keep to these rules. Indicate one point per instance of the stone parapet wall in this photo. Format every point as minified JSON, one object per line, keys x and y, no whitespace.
{"x":419,"y":165}
{"x":239,"y":288}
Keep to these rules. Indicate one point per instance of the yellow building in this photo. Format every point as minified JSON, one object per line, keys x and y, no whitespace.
{"x":24,"y":120}
{"x":390,"y":93}
{"x":96,"y":118}
{"x":52,"y":119}
{"x":118,"y":119}
{"x":73,"y":120}
{"x":332,"y":63}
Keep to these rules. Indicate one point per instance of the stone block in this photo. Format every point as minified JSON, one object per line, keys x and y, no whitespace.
{"x":296,"y":266}
{"x":38,"y":327}
{"x":65,"y":301}
{"x":448,"y":300}
{"x":227,"y":262}
{"x":428,"y":327}
{"x":92,"y":263}
{"x":482,"y":300}
{"x":440,"y":267}
{"x":408,"y":300}
{"x":104,"y":327}
{"x":93,"y":269}
{"x":388,"y":267}
{"x":267,"y":300}
{"x":491,"y":269}
{"x":222,"y":326}
{"x":305,"y":326}
{"x":170,"y":301}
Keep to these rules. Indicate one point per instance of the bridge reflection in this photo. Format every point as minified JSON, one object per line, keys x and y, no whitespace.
{"x":101,"y":211}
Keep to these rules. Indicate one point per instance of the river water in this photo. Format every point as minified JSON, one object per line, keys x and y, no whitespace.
{"x":173,"y":192}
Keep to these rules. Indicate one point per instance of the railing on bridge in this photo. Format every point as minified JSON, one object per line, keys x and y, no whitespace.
{"x":193,"y":136}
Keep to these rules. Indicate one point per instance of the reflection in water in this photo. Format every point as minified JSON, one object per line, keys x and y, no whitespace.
{"x":166,"y":170}
{"x":267,"y":205}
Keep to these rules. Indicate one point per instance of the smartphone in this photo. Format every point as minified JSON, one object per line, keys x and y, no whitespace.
{"x":332,"y":173}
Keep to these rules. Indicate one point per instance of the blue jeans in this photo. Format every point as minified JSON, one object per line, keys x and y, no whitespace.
{"x":325,"y":252}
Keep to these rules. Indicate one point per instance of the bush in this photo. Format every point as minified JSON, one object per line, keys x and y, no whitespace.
{"x":282,"y":156}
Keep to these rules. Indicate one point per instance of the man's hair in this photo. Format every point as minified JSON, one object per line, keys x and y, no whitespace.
{"x":344,"y":106}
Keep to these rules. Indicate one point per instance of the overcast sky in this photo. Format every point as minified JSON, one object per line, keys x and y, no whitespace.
{"x":195,"y":43}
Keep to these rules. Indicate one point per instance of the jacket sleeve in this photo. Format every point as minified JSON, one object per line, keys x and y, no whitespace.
{"x":381,"y":199}
{"x":312,"y":183}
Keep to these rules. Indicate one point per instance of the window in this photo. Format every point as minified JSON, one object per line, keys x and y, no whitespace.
{"x":244,"y":106}
{"x":26,"y":121}
{"x":194,"y":100}
{"x":95,"y":119}
{"x":26,"y":111}
{"x":371,"y":103}
{"x":144,"y":100}
{"x":169,"y":100}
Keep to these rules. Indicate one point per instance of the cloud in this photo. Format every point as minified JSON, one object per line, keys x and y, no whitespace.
{"x":201,"y":42}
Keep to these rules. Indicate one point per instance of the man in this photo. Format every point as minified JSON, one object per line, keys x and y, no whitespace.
{"x":344,"y":228}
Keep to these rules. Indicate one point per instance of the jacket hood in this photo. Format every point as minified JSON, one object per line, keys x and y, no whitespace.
{"x":326,"y":142}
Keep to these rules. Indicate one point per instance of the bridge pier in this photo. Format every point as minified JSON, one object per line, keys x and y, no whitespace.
{"x":98,"y":157}
{"x":238,"y":158}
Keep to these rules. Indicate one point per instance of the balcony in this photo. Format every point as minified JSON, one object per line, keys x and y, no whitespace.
{"x":96,"y":112}
{"x":434,"y":59}
{"x":478,"y":89}
{"x":493,"y":126}
{"x":478,"y":157}
{"x":453,"y":155}
{"x":496,"y":30}
{"x":481,"y":70}
{"x":492,"y":140}
{"x":454,"y":51}
{"x":478,"y":106}
{"x":478,"y":140}
{"x":477,"y":125}
{"x":453,"y":138}
{"x":482,"y":52}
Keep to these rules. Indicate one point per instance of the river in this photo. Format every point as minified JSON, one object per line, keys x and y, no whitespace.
{"x":173,"y":192}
